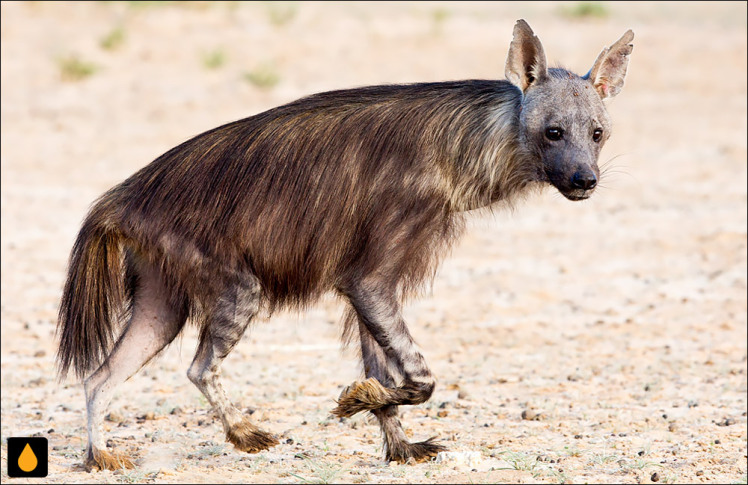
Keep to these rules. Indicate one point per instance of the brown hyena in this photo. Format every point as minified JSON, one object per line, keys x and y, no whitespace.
{"x":357,"y":191}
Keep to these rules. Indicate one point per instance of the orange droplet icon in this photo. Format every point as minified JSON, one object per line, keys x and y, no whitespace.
{"x":27,"y":461}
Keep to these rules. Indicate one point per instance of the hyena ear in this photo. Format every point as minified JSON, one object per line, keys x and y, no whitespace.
{"x":525,"y":63}
{"x":610,"y":66}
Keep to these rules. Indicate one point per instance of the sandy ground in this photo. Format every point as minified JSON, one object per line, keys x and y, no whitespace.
{"x":620,"y":322}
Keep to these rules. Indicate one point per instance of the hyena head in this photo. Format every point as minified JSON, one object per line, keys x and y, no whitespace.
{"x":563,"y":123}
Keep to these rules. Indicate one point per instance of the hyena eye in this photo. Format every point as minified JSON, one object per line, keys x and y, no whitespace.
{"x":554,"y":133}
{"x":597,"y":135}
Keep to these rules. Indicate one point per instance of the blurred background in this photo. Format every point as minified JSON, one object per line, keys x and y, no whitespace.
{"x":624,"y":315}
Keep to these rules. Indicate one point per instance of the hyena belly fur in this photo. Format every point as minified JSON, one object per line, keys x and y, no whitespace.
{"x":357,"y":192}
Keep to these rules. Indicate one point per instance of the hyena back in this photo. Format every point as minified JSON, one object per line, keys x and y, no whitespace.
{"x":358,"y":192}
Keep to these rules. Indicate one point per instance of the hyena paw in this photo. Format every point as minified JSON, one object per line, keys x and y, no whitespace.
{"x":247,"y":437}
{"x":362,"y":396}
{"x":404,"y":452}
{"x":97,"y":459}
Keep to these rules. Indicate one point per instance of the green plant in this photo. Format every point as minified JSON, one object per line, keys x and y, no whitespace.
{"x":281,"y":13}
{"x":113,"y":40}
{"x":520,"y":461}
{"x":72,"y":68}
{"x":214,"y":59}
{"x":438,"y":17}
{"x":320,"y":473}
{"x":212,"y":450}
{"x":585,"y":10}
{"x":135,"y":476}
{"x":264,"y":76}
{"x":602,"y":459}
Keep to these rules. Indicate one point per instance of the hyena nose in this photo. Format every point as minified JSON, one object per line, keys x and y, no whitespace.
{"x":586,"y":180}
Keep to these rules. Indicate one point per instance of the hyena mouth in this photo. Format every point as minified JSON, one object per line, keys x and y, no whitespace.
{"x":577,"y":195}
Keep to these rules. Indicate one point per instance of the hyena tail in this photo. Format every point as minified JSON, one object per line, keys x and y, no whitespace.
{"x":93,"y":297}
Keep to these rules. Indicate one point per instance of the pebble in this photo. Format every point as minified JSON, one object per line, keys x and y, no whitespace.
{"x":726,"y":422}
{"x":672,"y":427}
{"x":176,"y":411}
{"x":699,"y":473}
{"x":470,"y":458}
{"x":115,"y":417}
{"x":40,"y":353}
{"x":530,"y":415}
{"x":655,"y":477}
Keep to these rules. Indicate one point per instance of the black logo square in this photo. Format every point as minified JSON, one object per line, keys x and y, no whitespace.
{"x":27,"y":457}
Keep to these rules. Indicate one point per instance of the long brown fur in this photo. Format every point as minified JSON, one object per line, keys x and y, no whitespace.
{"x":308,"y":197}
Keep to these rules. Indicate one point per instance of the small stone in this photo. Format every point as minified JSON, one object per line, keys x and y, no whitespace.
{"x":640,"y":453}
{"x":530,"y":415}
{"x":176,"y":411}
{"x":699,"y":473}
{"x":442,"y":414}
{"x":40,"y":353}
{"x":150,"y":416}
{"x":672,"y":427}
{"x":36,"y":382}
{"x":655,"y":477}
{"x":692,"y":404}
{"x":469,"y":458}
{"x":577,"y":436}
{"x":716,"y":442}
{"x":115,"y":417}
{"x":726,"y":422}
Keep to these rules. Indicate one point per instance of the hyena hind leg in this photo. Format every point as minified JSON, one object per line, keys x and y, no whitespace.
{"x":222,"y":331}
{"x":152,"y":326}
{"x":396,"y":445}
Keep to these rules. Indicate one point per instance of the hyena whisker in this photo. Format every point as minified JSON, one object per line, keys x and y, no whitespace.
{"x":360,"y":192}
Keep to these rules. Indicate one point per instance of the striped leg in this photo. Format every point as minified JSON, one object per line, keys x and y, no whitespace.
{"x":396,"y":444}
{"x":221,"y":333}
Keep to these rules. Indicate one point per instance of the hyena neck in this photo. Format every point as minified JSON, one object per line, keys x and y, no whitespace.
{"x":489,"y":163}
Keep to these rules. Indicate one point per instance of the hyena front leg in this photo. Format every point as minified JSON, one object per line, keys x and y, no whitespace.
{"x":153,"y":325}
{"x":222,"y":331}
{"x":378,"y":310}
{"x":396,"y":444}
